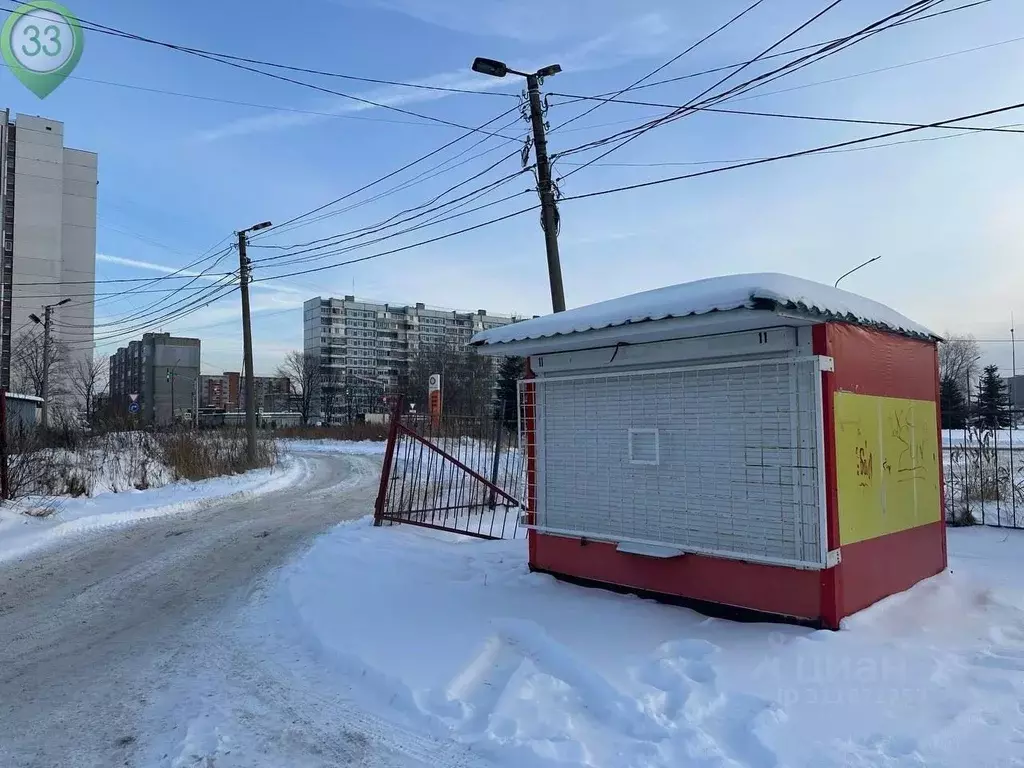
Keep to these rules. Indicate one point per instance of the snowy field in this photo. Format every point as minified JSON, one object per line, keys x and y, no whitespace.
{"x":1001,"y":437}
{"x":455,"y":639}
{"x":21,"y":532}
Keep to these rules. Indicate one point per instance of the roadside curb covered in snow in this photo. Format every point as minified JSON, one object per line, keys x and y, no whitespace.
{"x":21,"y":534}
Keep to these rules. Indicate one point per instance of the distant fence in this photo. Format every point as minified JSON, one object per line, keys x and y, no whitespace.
{"x":984,"y":474}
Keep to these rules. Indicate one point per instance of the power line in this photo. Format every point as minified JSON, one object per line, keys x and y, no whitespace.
{"x":670,"y":164}
{"x":425,"y":175}
{"x":430,"y":222}
{"x":668,"y":63}
{"x":385,"y":177}
{"x":789,"y":155}
{"x":791,"y":66}
{"x":801,"y":49}
{"x":232,"y":62}
{"x":404,"y":247}
{"x":113,"y":31}
{"x":788,"y":116}
{"x":327,"y":242}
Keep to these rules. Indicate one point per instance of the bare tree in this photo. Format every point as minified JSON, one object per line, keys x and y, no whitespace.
{"x":27,"y":369}
{"x":959,"y":357}
{"x":87,"y":377}
{"x":303,"y":370}
{"x":467,"y":379}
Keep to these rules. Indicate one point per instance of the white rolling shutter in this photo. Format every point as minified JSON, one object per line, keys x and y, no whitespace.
{"x":722,"y":459}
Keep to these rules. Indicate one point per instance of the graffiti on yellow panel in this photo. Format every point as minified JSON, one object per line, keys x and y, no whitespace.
{"x":887,"y":465}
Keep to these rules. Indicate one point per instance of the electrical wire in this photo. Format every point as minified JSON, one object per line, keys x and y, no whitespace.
{"x":817,"y":118}
{"x":114,"y":31}
{"x":668,"y":63}
{"x":789,"y":155}
{"x":391,"y":221}
{"x":830,"y":49}
{"x":277,"y":228}
{"x":235,"y":63}
{"x":405,"y":247}
{"x":801,"y":49}
{"x":425,"y":175}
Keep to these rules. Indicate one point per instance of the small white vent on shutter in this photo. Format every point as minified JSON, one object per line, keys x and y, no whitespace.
{"x":644,"y":447}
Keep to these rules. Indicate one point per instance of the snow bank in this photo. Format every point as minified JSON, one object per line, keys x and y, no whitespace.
{"x":22,"y":533}
{"x":457,"y":637}
{"x":715,"y":294}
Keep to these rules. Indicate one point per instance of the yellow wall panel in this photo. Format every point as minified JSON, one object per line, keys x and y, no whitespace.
{"x":887,"y":465}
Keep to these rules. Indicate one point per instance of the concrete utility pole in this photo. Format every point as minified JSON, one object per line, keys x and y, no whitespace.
{"x":250,"y":393}
{"x":545,"y":186}
{"x":45,"y":322}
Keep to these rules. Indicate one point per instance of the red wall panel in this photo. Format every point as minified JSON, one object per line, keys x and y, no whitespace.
{"x":871,"y":362}
{"x":769,"y":588}
{"x":880,"y":567}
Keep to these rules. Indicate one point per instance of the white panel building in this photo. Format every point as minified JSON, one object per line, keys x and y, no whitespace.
{"x":365,"y":346}
{"x":48,"y":197}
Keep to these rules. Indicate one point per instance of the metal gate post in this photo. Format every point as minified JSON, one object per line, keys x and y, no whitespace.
{"x":499,"y":426}
{"x":389,"y":458}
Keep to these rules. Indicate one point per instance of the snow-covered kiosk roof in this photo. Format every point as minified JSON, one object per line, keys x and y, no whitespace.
{"x":714,"y":305}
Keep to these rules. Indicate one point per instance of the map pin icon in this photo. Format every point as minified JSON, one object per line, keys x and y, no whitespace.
{"x":41,"y":42}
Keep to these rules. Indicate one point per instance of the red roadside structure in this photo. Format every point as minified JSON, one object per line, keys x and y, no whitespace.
{"x":754,"y":445}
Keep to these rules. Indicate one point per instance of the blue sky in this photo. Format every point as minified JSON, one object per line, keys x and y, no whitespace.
{"x":178,"y":175}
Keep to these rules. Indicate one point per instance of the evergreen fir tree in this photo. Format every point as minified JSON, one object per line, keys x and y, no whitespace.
{"x":506,"y":395}
{"x":993,"y":403}
{"x":952,"y":403}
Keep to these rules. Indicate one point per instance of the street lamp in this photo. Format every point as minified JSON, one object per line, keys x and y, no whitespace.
{"x":496,"y":68}
{"x":45,"y":322}
{"x":545,"y":187}
{"x":859,"y":266}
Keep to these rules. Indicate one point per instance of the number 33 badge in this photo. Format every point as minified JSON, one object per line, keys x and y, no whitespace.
{"x":41,"y":43}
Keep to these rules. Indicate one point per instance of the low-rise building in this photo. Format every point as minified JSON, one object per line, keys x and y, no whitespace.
{"x":159,"y":373}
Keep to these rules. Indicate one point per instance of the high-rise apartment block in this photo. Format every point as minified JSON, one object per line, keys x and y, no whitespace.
{"x":364,"y":344}
{"x":48,"y":224}
{"x":160,"y":373}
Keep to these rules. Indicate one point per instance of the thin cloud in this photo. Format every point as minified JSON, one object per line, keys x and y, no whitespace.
{"x":392,"y":96}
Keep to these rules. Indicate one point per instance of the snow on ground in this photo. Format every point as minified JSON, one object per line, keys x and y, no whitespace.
{"x":22,"y":533}
{"x":456,"y":638}
{"x":362,"y":447}
{"x":1004,"y":438}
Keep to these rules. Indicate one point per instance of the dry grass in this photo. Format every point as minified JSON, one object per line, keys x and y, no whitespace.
{"x":202,"y":455}
{"x":357,"y":431}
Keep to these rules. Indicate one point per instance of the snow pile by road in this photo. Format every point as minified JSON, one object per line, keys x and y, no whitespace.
{"x":457,"y":641}
{"x":21,"y":532}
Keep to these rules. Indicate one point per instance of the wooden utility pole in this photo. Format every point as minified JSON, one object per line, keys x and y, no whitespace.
{"x":244,"y":266}
{"x":250,"y":394}
{"x":546,"y":189}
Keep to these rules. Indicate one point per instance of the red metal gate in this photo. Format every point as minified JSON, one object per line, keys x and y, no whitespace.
{"x":460,"y":474}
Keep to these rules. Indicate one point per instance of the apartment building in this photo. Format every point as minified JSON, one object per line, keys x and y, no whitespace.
{"x":226,"y":392}
{"x":365,"y":346}
{"x":162,"y":371}
{"x":48,"y":225}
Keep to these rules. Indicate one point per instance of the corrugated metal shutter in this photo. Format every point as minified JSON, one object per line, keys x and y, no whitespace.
{"x":719,"y":459}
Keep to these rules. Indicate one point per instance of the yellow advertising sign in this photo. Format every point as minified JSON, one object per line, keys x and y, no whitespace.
{"x":887,"y":465}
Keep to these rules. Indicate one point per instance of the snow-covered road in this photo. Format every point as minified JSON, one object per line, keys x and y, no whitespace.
{"x":100,"y":636}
